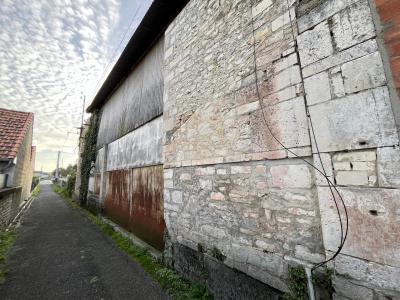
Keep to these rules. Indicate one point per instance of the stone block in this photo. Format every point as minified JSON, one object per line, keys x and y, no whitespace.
{"x":300,"y":152}
{"x":240,"y":169}
{"x":315,"y":44}
{"x":342,"y":166}
{"x":336,"y":82}
{"x":337,"y":59}
{"x":352,"y":25}
{"x":217,"y":196}
{"x":317,"y":88}
{"x":167,"y":195}
{"x":287,"y":77}
{"x":169,"y":183}
{"x":326,"y":9}
{"x":212,"y":231}
{"x":285,"y":63}
{"x":363,"y":73}
{"x":168,"y":173}
{"x":282,"y":95}
{"x":205,"y":184}
{"x":327,"y":165}
{"x":389,"y":166}
{"x":185,"y":177}
{"x":346,"y":288}
{"x":355,"y":156}
{"x":369,"y":274}
{"x":304,"y":253}
{"x":205,"y":171}
{"x":291,"y":176}
{"x":176,"y":197}
{"x":248,"y":108}
{"x":364,"y":166}
{"x":171,"y":207}
{"x":283,"y":19}
{"x":221,"y":171}
{"x":287,"y":121}
{"x":261,"y":170}
{"x":261,"y":7}
{"x":362,"y":120}
{"x":358,"y":178}
{"x":373,"y":222}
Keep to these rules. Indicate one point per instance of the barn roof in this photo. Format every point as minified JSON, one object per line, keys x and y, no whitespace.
{"x":155,"y":21}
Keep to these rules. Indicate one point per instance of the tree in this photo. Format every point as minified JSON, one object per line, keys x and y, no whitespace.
{"x":70,"y":170}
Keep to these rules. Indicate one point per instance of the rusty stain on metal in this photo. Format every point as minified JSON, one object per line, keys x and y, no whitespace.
{"x":135,"y":201}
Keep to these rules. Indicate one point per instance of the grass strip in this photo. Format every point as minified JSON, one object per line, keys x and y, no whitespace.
{"x":176,"y":286}
{"x":7,"y":239}
{"x":36,"y":191}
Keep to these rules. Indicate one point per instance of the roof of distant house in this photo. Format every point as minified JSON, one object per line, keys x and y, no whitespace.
{"x":14,"y":126}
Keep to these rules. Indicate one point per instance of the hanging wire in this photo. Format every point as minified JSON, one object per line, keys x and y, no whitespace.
{"x":332,"y":187}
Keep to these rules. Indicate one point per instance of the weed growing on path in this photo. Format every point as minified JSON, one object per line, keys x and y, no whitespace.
{"x":36,"y":191}
{"x":177,"y":287}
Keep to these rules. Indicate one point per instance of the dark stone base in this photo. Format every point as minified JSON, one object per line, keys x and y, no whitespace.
{"x":222,"y":281}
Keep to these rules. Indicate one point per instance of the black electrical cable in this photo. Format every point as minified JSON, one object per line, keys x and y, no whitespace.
{"x":332,"y":187}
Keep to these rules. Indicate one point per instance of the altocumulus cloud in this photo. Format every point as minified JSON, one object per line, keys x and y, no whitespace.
{"x":51,"y":52}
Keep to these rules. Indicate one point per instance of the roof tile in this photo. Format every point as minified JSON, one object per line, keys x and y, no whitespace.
{"x":13,"y":128}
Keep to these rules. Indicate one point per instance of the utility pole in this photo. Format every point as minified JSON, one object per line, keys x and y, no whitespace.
{"x":83,"y":109}
{"x":58,"y":164}
{"x":83,"y":114}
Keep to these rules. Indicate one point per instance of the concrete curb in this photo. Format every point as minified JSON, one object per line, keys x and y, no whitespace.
{"x":24,"y":207}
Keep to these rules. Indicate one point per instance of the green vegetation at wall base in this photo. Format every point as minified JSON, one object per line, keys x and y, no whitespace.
{"x":7,"y":239}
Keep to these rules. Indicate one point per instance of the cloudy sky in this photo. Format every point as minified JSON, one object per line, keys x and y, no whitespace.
{"x":52,"y":53}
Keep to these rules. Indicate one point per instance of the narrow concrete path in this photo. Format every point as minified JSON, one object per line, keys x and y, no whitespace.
{"x":59,"y":254}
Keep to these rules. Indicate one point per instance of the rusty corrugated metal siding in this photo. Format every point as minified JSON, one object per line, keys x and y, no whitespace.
{"x":135,"y":201}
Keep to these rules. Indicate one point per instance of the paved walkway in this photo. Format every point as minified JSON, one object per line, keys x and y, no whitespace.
{"x":60,"y":255}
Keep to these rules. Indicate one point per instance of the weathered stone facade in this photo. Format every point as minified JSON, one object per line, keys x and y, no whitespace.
{"x":23,"y":170}
{"x":230,"y":185}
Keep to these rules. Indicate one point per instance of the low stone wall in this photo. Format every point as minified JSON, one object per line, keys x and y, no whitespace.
{"x":10,"y":200}
{"x":222,"y":281}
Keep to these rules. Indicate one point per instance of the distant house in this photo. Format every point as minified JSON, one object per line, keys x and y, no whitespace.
{"x":17,"y":160}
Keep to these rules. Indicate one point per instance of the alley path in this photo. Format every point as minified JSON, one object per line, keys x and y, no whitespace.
{"x":60,"y":255}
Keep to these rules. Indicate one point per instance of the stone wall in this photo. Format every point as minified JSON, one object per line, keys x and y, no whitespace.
{"x":10,"y":200}
{"x":237,"y":162}
{"x":23,"y":170}
{"x":351,"y":108}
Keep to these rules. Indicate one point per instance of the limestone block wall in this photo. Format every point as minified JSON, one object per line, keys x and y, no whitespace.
{"x":350,"y":104}
{"x":230,"y":184}
{"x":23,"y":171}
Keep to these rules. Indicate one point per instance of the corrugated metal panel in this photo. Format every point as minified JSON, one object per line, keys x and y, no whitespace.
{"x":138,"y":100}
{"x":135,"y":201}
{"x":141,"y":147}
{"x":99,"y":160}
{"x":97,"y":184}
